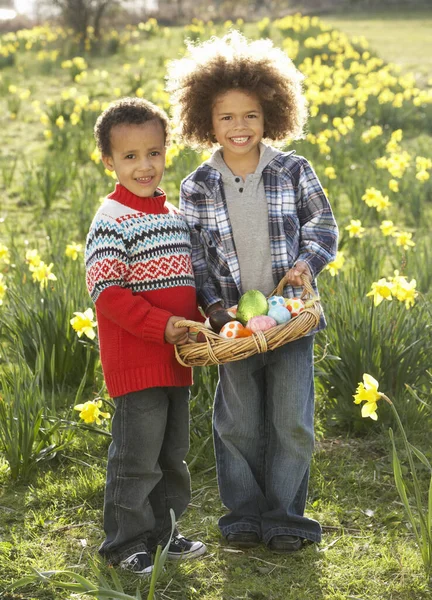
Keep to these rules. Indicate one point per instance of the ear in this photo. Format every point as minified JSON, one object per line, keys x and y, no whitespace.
{"x":108,"y":162}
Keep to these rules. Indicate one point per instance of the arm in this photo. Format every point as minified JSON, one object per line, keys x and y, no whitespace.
{"x":318,"y":228}
{"x":207,"y":291}
{"x":106,"y":267}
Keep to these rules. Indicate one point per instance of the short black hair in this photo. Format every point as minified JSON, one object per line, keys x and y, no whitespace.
{"x":127,"y":111}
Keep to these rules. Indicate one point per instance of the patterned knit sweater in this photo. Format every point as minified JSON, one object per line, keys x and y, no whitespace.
{"x":139,"y":274}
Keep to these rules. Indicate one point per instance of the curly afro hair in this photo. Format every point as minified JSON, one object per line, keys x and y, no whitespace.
{"x":221,"y":64}
{"x":127,"y":111}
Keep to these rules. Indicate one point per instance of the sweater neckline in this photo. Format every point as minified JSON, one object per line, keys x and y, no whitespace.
{"x":151,"y":204}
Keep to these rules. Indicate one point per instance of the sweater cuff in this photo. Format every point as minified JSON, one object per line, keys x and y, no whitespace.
{"x":155,"y":325}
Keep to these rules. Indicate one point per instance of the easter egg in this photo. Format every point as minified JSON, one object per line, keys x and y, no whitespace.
{"x":280,"y":314}
{"x":218,"y":318}
{"x":275,"y":301}
{"x":294,"y":305}
{"x":260,"y":323}
{"x":232,"y":330}
{"x":251,"y":304}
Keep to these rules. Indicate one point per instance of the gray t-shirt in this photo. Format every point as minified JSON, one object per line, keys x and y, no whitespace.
{"x":248,"y":212}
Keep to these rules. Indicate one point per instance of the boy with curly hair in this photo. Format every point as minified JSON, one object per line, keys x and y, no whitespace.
{"x":139,"y":275}
{"x":255,"y":214}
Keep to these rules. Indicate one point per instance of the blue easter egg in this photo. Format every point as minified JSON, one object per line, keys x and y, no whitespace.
{"x":280,"y":314}
{"x":276,"y":301}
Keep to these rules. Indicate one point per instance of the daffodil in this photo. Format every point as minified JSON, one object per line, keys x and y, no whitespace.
{"x":381,"y":290}
{"x":403,"y":238}
{"x":422,"y":176}
{"x":355,"y":228}
{"x":84,"y":324}
{"x":73,"y":249}
{"x":368,"y":392}
{"x":90,"y":412}
{"x":42,"y":273}
{"x":388,"y":228}
{"x":330,"y":172}
{"x":404,"y":290}
{"x":4,"y":254}
{"x":336,"y":265}
{"x":32,"y":258}
{"x":393,"y":185}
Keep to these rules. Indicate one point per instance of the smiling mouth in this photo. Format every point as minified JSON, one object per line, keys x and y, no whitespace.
{"x":143,"y":179}
{"x":240,"y":141}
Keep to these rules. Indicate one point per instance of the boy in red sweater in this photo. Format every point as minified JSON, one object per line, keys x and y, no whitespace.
{"x":139,"y":275}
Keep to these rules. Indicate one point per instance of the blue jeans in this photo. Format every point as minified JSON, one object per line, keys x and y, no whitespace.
{"x":146,"y":470}
{"x":264,"y":439}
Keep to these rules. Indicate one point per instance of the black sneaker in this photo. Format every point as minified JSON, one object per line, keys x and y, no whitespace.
{"x":283,"y":544}
{"x":139,"y":563}
{"x":181,"y":548}
{"x":243,"y":539}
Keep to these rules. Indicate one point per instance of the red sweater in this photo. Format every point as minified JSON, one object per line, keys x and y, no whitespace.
{"x":139,"y":274}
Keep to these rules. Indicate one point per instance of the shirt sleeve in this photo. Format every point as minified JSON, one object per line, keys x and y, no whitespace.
{"x":207,"y":291}
{"x":106,"y":267}
{"x":318,"y":228}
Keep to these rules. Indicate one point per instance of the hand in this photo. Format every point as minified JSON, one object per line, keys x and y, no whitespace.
{"x":294,"y":274}
{"x":213,"y":307}
{"x":175,"y":335}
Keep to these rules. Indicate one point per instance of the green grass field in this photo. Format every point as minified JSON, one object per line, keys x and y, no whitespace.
{"x":403,"y":37}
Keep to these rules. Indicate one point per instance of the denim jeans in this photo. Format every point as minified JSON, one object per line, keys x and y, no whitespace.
{"x":264,"y":439}
{"x":146,"y":470}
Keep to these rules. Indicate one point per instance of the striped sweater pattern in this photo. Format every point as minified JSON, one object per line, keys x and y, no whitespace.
{"x":140,"y":251}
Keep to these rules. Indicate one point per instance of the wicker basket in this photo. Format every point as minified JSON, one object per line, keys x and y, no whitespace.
{"x":216,"y":350}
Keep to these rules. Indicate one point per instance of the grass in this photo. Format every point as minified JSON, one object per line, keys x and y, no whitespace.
{"x":399,"y":36}
{"x":367,"y":551}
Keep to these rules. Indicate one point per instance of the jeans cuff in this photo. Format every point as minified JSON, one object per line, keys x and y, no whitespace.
{"x":241,"y":528}
{"x":301,"y":533}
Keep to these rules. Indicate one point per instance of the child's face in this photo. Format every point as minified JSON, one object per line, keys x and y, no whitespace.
{"x":238,"y":123}
{"x":137,"y":156}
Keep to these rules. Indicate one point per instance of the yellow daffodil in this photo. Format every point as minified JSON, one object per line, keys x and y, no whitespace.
{"x":90,"y":412}
{"x":32,"y":258}
{"x":3,"y":288}
{"x":330,"y":172}
{"x":422,"y":176}
{"x":42,"y":274}
{"x":368,"y":392}
{"x":374,"y":198}
{"x":381,"y":290}
{"x":84,"y":324}
{"x":423,"y":163}
{"x":355,"y":228}
{"x":4,"y":254}
{"x":336,"y":265}
{"x":73,"y":249}
{"x":60,"y":122}
{"x":372,"y":133}
{"x":404,"y":290}
{"x":393,"y":185}
{"x":388,"y":228}
{"x":403,"y":239}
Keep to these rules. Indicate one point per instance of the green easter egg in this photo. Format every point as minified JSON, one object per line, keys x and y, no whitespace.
{"x":251,"y":304}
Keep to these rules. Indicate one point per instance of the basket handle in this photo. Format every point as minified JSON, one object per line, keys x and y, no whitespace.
{"x":307,"y":286}
{"x":200,"y":327}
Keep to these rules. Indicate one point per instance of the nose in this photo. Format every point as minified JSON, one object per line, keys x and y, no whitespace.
{"x":145,"y":164}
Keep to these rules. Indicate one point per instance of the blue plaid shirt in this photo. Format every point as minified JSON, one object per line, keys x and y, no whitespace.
{"x":301,"y":227}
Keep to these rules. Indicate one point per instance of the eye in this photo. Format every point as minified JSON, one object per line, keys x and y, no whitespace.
{"x":252,"y":116}
{"x":155,"y":153}
{"x":130,"y":156}
{"x":226,"y":118}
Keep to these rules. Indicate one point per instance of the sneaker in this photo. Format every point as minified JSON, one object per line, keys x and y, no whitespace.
{"x":139,"y":563}
{"x":285,"y":543}
{"x":243,"y":539}
{"x":181,"y":548}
